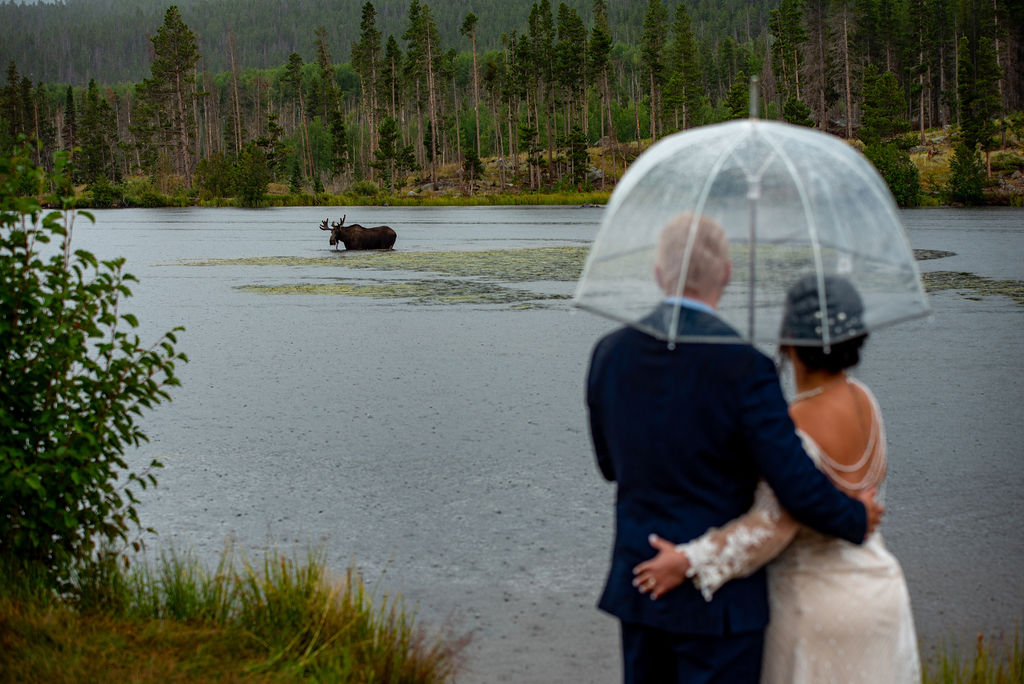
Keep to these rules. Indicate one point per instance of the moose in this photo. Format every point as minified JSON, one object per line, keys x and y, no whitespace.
{"x":354,"y":236}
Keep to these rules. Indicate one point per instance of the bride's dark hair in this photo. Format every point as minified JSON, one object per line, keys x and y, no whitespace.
{"x":802,"y":320}
{"x":840,"y":357}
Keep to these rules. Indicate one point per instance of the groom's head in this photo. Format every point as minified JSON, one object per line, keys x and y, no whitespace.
{"x":707,"y":270}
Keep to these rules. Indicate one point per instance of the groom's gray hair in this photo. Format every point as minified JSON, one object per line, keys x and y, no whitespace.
{"x":707,"y":271}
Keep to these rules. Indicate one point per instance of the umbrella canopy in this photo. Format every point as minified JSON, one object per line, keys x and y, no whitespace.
{"x":792,"y":201}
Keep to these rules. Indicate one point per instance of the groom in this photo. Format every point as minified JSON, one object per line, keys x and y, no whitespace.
{"x":686,"y":432}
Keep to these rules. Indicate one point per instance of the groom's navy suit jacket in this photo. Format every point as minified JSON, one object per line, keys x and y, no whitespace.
{"x":686,"y":433}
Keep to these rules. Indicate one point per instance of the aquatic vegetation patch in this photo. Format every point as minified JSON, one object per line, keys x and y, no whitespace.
{"x":562,"y":264}
{"x":972,"y":286}
{"x":927,"y":254}
{"x":417,"y":291}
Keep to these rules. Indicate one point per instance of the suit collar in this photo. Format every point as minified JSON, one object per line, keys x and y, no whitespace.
{"x":692,"y":322}
{"x":690,"y":303}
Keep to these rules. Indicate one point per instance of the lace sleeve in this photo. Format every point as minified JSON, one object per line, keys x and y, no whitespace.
{"x":742,"y":546}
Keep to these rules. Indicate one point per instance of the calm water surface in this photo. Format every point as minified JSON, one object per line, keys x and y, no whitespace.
{"x":444,"y":450}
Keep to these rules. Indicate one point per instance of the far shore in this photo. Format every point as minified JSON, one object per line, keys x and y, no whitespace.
{"x":930,"y":153}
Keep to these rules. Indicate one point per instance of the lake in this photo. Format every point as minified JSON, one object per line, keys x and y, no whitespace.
{"x":443,"y":448}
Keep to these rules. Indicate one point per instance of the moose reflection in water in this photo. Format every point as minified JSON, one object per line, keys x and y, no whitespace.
{"x":354,"y":236}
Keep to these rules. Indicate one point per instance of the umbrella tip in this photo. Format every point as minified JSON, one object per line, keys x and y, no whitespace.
{"x":755,"y":96}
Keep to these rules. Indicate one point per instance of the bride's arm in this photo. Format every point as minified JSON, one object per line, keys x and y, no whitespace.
{"x":720,"y":554}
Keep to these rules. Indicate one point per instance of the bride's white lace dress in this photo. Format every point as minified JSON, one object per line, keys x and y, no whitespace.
{"x":839,"y":612}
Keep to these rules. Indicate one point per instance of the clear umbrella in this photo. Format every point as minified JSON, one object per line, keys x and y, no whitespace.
{"x":792,"y":201}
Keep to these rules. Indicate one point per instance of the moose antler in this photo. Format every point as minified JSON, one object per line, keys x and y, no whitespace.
{"x":323,"y":225}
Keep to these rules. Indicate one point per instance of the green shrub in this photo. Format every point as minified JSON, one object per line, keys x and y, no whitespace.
{"x":105,"y":194}
{"x":966,"y":183}
{"x":797,"y":112}
{"x":364,"y":188}
{"x":151,"y":200}
{"x":251,"y":176}
{"x":74,"y":381}
{"x":898,"y":170}
{"x":215,"y":176}
{"x":1007,"y":162}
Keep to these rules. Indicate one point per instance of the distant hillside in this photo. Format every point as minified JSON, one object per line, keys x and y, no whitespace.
{"x":75,"y":40}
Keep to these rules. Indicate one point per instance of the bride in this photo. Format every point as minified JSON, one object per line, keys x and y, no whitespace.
{"x":839,"y":612}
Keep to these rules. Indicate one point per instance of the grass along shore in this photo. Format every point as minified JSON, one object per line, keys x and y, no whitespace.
{"x":282,"y":620}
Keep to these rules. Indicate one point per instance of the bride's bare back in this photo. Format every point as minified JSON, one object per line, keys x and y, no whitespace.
{"x":843,"y":420}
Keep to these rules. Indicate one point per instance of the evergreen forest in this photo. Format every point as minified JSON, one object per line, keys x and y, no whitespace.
{"x":211,"y":99}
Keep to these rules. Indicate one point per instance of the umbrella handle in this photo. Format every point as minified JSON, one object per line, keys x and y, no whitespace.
{"x":755,"y":96}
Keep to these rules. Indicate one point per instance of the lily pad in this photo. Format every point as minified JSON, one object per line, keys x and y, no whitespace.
{"x":927,"y":254}
{"x":417,"y":291}
{"x":972,"y":285}
{"x":562,"y":264}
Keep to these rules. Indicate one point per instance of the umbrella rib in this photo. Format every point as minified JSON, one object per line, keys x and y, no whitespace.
{"x":812,"y":230}
{"x":673,"y":332}
{"x":849,"y":226}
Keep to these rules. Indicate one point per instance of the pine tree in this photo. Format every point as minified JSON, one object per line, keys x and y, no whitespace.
{"x":252,"y":176}
{"x":175,"y":54}
{"x":366,"y":58}
{"x":818,"y":63}
{"x":44,"y":110}
{"x":916,"y":59}
{"x":292,"y":80}
{"x":327,"y":94}
{"x":469,"y":30}
{"x":391,"y":77}
{"x":966,"y":176}
{"x":236,"y":98}
{"x":883,"y":112}
{"x":737,"y":100}
{"x":883,"y":117}
{"x":653,"y":50}
{"x":540,"y":58}
{"x":423,"y":58}
{"x":684,"y":80}
{"x":898,"y":171}
{"x":789,"y":35}
{"x":69,"y":132}
{"x":579,"y":158}
{"x":493,"y":77}
{"x":339,"y":144}
{"x":471,"y":168}
{"x":978,"y":91}
{"x":797,"y":112}
{"x":386,"y":154}
{"x":274,"y":150}
{"x":598,"y":64}
{"x":96,"y":160}
{"x":11,"y":124}
{"x":571,"y":63}
{"x":843,"y":24}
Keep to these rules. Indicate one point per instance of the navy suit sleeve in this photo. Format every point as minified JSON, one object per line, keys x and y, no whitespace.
{"x":604,"y":461}
{"x":801,"y":488}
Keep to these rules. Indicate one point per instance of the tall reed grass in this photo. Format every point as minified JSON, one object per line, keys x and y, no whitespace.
{"x":996,"y":661}
{"x":277,"y":620}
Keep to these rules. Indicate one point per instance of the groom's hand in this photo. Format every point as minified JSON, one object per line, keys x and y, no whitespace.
{"x":873,"y":508}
